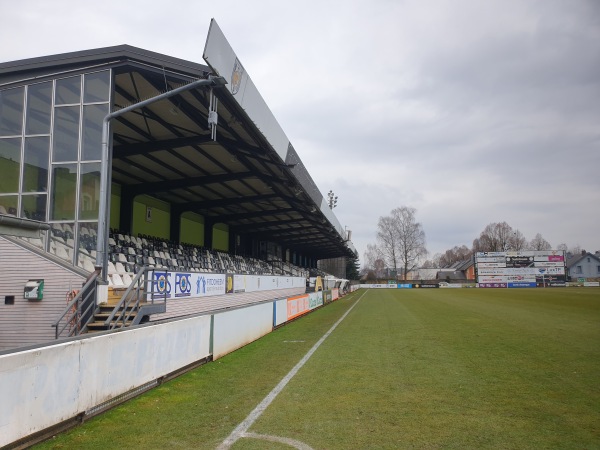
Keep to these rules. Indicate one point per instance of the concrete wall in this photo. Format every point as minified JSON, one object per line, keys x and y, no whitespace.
{"x":44,"y":386}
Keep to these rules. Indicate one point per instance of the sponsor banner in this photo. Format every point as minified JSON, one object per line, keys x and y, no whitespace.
{"x":521,"y":271}
{"x":378,"y":286}
{"x":182,"y":284}
{"x":491,"y":285}
{"x":522,"y":284}
{"x":492,"y":279}
{"x":301,"y":304}
{"x":591,"y":283}
{"x":549,"y":258}
{"x":426,"y":285}
{"x":489,"y":259}
{"x":491,"y":264}
{"x":327,"y":297}
{"x":519,"y":261}
{"x":484,"y":254}
{"x":315,"y":299}
{"x":404,"y":286}
{"x":335,"y":293}
{"x":160,"y":285}
{"x":451,"y":285}
{"x":296,"y":306}
{"x":549,"y":264}
{"x":206,"y":284}
{"x":553,"y":283}
{"x":239,"y":283}
{"x":229,"y":283}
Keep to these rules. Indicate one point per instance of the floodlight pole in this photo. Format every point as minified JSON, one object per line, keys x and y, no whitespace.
{"x":105,"y":174}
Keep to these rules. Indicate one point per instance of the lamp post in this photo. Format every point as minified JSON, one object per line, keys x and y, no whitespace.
{"x":332,"y":199}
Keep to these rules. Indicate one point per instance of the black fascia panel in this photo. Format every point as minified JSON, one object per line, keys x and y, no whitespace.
{"x":13,"y":71}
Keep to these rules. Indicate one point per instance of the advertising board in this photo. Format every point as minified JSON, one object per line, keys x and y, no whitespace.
{"x":524,"y":268}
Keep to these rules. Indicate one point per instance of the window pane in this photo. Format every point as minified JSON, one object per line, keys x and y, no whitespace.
{"x":10,"y":165}
{"x":61,"y":240}
{"x":68,"y":91}
{"x":89,"y":196}
{"x":34,"y":207}
{"x":39,"y":104}
{"x":11,"y":112}
{"x":66,"y":134}
{"x":87,"y":239}
{"x":8,"y":204}
{"x":96,"y":87}
{"x":35,"y":171}
{"x":64,"y":179}
{"x":92,"y":131}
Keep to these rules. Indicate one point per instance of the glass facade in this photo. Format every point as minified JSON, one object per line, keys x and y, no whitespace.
{"x":50,"y":152}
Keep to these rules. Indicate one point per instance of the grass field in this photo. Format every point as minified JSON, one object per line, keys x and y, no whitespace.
{"x":470,"y":368}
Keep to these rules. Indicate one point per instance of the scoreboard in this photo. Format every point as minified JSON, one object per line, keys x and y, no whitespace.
{"x":521,"y":269}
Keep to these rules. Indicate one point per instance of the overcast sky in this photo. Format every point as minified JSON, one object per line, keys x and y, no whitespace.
{"x":471,"y":112}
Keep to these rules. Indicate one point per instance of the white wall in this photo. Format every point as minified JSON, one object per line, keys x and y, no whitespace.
{"x":42,"y":387}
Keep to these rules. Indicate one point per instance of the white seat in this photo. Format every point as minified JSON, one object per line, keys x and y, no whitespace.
{"x":121,"y":258}
{"x":88,"y":265}
{"x":117,"y":281}
{"x":111,"y":268}
{"x":3,"y":210}
{"x":127,"y":280}
{"x":131,"y":251}
{"x":120,"y":268}
{"x":61,"y":253}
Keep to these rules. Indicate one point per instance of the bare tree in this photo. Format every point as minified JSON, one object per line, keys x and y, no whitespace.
{"x":371,"y":255}
{"x":411,"y":237}
{"x":388,"y":241}
{"x":495,"y":237}
{"x":539,"y":243}
{"x":454,"y":255}
{"x":517,"y":241}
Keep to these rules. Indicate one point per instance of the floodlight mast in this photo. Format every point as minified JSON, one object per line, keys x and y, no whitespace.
{"x":105,"y":175}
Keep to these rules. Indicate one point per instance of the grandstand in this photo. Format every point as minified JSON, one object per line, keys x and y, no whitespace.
{"x":121,"y":163}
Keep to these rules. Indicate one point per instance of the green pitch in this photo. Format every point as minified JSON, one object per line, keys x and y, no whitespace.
{"x":454,"y":368}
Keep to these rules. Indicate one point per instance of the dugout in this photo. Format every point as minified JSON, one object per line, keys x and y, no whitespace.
{"x":233,"y":182}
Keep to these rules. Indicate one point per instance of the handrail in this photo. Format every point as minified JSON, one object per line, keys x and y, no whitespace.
{"x":127,"y":299}
{"x":77,"y":314}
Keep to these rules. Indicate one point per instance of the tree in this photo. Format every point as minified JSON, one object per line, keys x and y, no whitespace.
{"x":495,"y":237}
{"x":539,"y":243}
{"x":371,"y":255}
{"x":454,"y":255}
{"x":388,"y":241}
{"x":517,"y":241}
{"x":352,"y":269}
{"x":403,"y":237}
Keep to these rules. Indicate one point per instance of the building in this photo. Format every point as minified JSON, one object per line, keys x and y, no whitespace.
{"x":585,"y":265}
{"x":121,"y":141}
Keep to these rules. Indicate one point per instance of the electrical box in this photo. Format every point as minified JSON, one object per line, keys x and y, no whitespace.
{"x":34,"y":290}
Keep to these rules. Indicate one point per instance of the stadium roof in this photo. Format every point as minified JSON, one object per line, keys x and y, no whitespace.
{"x":166,"y":150}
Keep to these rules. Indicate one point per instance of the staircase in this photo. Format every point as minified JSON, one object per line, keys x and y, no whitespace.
{"x":126,"y":307}
{"x":102,"y":314}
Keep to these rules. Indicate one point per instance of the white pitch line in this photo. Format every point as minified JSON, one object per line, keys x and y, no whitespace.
{"x":262,"y":406}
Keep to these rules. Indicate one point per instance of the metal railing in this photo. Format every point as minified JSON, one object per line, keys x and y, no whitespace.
{"x":139,"y":292}
{"x":79,"y":311}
